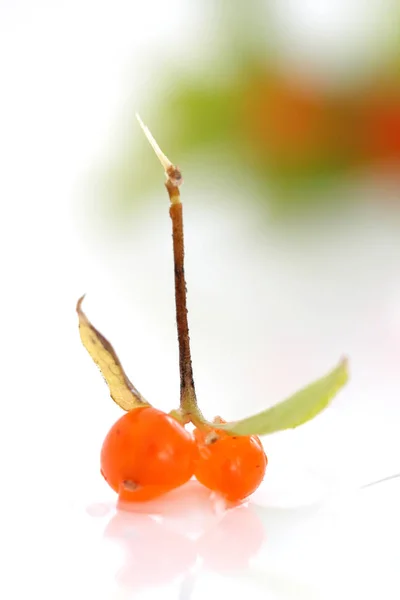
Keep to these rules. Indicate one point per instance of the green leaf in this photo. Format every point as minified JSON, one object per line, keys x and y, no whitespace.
{"x":296,"y":410}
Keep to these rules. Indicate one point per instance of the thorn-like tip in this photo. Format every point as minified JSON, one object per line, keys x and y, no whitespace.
{"x":166,"y":163}
{"x":344,"y":363}
{"x":79,"y":304}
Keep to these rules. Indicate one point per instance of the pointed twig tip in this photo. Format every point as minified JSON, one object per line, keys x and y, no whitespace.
{"x":79,"y":304}
{"x":164,"y":160}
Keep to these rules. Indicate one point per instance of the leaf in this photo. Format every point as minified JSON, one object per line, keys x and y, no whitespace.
{"x":122,"y":391}
{"x":296,"y":410}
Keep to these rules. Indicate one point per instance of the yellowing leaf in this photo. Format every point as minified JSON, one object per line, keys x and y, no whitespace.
{"x":296,"y":410}
{"x":122,"y":391}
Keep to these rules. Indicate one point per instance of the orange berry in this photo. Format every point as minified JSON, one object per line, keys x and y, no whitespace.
{"x":234,"y":466}
{"x":145,"y":454}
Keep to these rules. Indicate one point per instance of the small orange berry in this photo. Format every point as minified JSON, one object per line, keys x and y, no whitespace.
{"x":233,"y":466}
{"x":145,"y":454}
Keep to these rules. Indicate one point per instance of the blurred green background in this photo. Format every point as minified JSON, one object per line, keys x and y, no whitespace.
{"x":298,"y":101}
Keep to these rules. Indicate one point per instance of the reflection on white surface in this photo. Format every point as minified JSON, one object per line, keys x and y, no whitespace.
{"x":187,"y":531}
{"x":282,"y":554}
{"x":153,"y":555}
{"x":156,"y":551}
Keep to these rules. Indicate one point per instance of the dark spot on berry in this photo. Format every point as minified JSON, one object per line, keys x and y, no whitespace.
{"x":130,"y":485}
{"x":118,"y":431}
{"x":211,"y":438}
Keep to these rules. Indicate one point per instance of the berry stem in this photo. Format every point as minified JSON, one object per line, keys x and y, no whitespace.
{"x":189,"y":410}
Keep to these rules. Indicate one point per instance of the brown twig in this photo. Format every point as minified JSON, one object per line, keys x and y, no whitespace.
{"x":189,"y":410}
{"x":185,"y":360}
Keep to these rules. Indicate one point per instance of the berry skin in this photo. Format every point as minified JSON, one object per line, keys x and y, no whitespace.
{"x":147,"y":453}
{"x":233,"y":466}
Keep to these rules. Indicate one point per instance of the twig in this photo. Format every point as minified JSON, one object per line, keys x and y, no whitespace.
{"x":189,"y":410}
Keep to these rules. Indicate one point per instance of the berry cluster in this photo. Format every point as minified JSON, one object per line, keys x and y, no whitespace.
{"x":147,"y":453}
